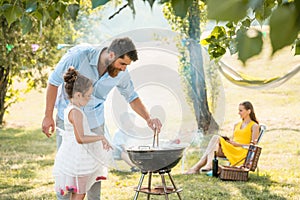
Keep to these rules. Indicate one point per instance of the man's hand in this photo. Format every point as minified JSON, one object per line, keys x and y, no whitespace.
{"x":48,"y":126}
{"x":154,"y":124}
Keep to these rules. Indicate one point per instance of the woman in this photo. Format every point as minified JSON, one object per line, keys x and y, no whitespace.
{"x":244,"y":133}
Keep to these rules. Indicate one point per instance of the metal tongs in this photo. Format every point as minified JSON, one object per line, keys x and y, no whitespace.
{"x":155,"y":135}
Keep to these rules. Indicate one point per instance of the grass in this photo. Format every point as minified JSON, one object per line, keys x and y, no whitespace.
{"x":27,"y":160}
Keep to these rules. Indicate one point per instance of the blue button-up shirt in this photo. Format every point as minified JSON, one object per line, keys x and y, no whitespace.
{"x":84,"y":58}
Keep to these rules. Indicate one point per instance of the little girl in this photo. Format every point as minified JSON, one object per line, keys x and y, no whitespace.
{"x":80,"y":160}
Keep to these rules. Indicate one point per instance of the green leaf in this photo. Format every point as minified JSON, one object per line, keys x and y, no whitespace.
{"x":31,"y":6}
{"x":181,"y":7}
{"x":218,"y":32}
{"x":97,"y":3}
{"x":73,"y":10}
{"x":266,"y":9}
{"x":248,"y":46}
{"x":53,"y":12}
{"x":38,"y":15}
{"x":26,"y":24}
{"x":12,"y":13}
{"x":46,"y":16}
{"x":61,"y":8}
{"x":283,"y":27}
{"x":216,"y":51}
{"x":226,"y":10}
{"x":297,"y":48}
{"x":246,"y":22}
{"x":229,"y":25}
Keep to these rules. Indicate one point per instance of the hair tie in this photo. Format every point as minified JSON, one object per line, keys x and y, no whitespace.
{"x":74,"y":77}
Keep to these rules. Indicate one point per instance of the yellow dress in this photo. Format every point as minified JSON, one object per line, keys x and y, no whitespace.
{"x":235,"y":155}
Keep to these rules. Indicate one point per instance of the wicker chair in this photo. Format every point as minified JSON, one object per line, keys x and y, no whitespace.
{"x":262,"y":130}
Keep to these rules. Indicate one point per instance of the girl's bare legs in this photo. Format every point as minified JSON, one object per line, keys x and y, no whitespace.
{"x":81,"y":184}
{"x":75,"y":196}
{"x":206,"y":160}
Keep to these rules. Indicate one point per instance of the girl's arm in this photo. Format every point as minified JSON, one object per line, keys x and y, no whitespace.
{"x":76,"y":118}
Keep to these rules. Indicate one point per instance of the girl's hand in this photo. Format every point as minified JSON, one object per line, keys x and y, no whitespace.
{"x":106,"y":144}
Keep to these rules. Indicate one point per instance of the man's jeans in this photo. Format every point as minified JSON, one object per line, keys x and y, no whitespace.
{"x":94,"y":192}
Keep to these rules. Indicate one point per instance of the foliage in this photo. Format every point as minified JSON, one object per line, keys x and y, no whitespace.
{"x":282,"y":17}
{"x":31,"y":30}
{"x":239,"y":16}
{"x":23,"y":21}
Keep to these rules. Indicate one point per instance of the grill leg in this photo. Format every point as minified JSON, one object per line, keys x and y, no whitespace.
{"x":172,"y":181}
{"x":164,"y":185}
{"x":139,"y":186}
{"x":149,"y":185}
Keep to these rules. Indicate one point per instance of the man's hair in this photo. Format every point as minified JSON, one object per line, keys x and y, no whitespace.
{"x":123,"y":46}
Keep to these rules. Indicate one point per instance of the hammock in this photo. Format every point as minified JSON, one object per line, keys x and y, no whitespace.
{"x":253,"y":82}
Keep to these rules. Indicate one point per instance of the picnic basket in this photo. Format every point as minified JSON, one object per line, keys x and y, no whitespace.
{"x":233,"y":173}
{"x":241,"y":173}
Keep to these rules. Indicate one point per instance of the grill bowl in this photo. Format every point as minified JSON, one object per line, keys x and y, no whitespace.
{"x":149,"y":159}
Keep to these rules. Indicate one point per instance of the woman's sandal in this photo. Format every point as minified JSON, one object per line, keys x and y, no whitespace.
{"x":205,"y":170}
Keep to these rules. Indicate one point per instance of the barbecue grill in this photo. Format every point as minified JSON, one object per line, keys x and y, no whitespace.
{"x":156,"y":159}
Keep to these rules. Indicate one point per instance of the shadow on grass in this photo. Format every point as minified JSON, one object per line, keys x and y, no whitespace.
{"x":202,"y":187}
{"x":251,"y":188}
{"x":10,"y":189}
{"x":26,"y":141}
{"x":25,"y":154}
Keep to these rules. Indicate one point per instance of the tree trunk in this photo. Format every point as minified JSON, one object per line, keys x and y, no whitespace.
{"x":4,"y":74}
{"x":4,"y":68}
{"x":204,"y":118}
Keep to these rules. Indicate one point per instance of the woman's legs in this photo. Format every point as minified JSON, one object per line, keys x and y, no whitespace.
{"x":206,"y":160}
{"x":196,"y":168}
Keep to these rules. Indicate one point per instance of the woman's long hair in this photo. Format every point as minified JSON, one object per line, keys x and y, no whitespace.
{"x":248,"y":106}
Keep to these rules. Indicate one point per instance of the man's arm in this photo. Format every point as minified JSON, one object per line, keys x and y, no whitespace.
{"x":48,"y":125}
{"x":140,"y":109}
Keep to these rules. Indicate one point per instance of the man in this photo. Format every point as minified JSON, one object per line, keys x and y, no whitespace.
{"x":106,"y":67}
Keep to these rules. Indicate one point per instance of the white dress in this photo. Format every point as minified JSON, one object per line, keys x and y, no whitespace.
{"x":78,"y":166}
